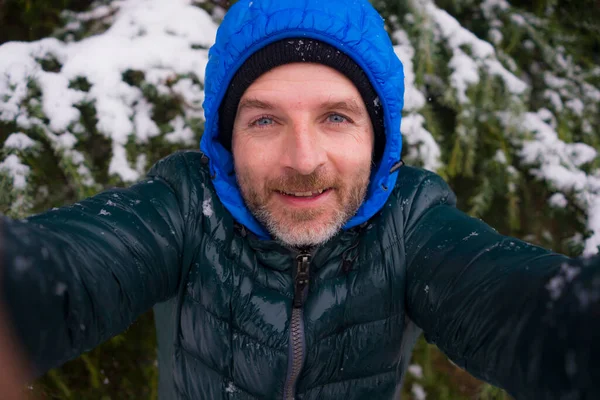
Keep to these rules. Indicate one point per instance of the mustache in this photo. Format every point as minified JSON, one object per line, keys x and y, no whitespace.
{"x":296,"y":182}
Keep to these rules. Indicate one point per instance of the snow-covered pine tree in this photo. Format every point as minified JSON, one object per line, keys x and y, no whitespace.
{"x":502,"y":99}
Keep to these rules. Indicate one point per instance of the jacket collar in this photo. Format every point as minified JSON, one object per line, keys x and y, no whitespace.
{"x":274,"y":255}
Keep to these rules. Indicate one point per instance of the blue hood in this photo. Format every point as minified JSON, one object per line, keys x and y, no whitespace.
{"x":352,"y":26}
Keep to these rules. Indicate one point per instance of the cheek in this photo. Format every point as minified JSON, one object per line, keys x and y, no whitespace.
{"x":352,"y":156}
{"x":251,"y":161}
{"x":254,"y":153}
{"x":356,"y":142}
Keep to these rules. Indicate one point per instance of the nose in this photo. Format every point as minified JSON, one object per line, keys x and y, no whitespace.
{"x":304,"y":148}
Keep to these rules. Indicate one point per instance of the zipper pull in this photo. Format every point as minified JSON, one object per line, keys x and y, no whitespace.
{"x":301,"y":280}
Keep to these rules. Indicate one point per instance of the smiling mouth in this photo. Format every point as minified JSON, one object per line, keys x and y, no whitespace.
{"x":303,"y":194}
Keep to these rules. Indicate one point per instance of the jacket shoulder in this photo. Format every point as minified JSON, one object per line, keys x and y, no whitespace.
{"x":418,"y":190}
{"x":182,"y":165}
{"x":187,"y":174}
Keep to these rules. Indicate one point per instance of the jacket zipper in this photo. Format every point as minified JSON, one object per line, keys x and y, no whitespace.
{"x":297,"y":349}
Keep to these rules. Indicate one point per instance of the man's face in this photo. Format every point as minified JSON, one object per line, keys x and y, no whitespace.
{"x":302,"y":146}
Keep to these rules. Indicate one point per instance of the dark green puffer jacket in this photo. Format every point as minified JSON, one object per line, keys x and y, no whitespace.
{"x":509,"y":312}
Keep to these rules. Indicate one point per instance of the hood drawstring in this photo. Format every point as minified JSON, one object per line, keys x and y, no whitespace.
{"x":396,"y":166}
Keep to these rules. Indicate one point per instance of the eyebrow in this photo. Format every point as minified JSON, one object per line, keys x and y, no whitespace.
{"x":349,"y":105}
{"x":252,"y":103}
{"x":345,"y":105}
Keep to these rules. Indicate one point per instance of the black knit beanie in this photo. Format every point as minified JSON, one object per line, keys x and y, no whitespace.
{"x":299,"y":50}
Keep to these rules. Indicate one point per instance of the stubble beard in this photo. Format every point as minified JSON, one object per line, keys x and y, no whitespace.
{"x":307,"y":227}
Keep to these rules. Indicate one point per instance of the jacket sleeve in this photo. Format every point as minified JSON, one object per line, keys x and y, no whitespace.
{"x":512,"y":314}
{"x":75,"y":276}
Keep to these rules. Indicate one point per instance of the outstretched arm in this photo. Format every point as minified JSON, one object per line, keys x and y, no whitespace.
{"x":74,"y":277}
{"x":513,"y":314}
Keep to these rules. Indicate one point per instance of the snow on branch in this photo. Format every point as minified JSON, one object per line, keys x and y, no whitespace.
{"x":469,"y":54}
{"x":159,"y":39}
{"x":559,"y":163}
{"x":421,"y":143}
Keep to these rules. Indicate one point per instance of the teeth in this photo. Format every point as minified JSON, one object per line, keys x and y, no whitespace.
{"x":305,"y":194}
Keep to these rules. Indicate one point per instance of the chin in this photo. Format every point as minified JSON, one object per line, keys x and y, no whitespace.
{"x":301,"y":229}
{"x":305,"y":234}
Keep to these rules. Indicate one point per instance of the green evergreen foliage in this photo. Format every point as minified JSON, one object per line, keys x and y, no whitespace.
{"x":475,"y":113}
{"x":34,"y":19}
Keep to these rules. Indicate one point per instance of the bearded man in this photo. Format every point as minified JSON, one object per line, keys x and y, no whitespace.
{"x":294,"y":256}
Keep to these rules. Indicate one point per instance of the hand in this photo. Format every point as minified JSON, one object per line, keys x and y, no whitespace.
{"x":12,"y":366}
{"x":13,"y":370}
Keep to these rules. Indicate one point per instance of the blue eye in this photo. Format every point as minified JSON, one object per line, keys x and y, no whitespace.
{"x":263,"y":121}
{"x":336,"y":119}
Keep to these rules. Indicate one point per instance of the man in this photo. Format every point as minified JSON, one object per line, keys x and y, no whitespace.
{"x":294,"y":256}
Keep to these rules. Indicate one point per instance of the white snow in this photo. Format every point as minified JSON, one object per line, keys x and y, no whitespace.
{"x":547,"y":116}
{"x":558,"y":200}
{"x":518,"y":19}
{"x":513,"y":84}
{"x":456,"y":35}
{"x":592,"y":93}
{"x":554,"y":81}
{"x":16,"y":170}
{"x":558,"y":163}
{"x":207,"y":208}
{"x":422,"y":145}
{"x":119,"y":163}
{"x":554,"y":99}
{"x":529,"y":44}
{"x":555,"y":287}
{"x":565,"y":275}
{"x":479,"y":54}
{"x":141,"y":163}
{"x":181,"y":133}
{"x":59,"y":100}
{"x":576,"y":105}
{"x":496,"y":36}
{"x":466,"y":73}
{"x":144,"y":126}
{"x":418,"y":392}
{"x":413,"y":98}
{"x":416,"y":371}
{"x":500,"y":157}
{"x":66,"y":141}
{"x":548,"y":157}
{"x":18,"y":141}
{"x":96,"y":13}
{"x":592,"y":200}
{"x":230,"y":388}
{"x":193,"y":94}
{"x":470,"y":235}
{"x":562,"y":61}
{"x":491,"y":7}
{"x":152,"y":36}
